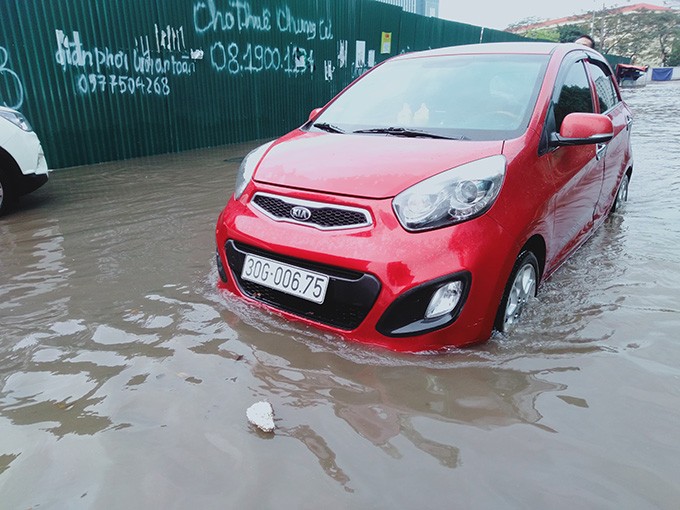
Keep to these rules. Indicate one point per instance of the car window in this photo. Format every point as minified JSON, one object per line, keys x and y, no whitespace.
{"x":480,"y":97}
{"x":606,"y":93}
{"x":575,"y":95}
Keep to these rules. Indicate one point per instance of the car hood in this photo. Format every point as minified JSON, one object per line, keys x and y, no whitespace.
{"x":369,"y":166}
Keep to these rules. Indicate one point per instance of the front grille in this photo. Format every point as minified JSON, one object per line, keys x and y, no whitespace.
{"x":349,"y":297}
{"x":318,"y":215}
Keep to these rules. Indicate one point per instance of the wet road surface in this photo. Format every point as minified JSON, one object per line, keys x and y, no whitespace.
{"x":125,"y":375}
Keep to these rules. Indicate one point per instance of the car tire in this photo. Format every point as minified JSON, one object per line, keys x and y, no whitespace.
{"x":521,"y":286}
{"x":622,"y":193}
{"x":6,"y":193}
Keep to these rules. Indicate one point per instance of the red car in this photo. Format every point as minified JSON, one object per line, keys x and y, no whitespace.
{"x":422,"y":206}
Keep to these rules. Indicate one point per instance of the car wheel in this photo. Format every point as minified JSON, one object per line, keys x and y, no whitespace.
{"x":521,"y":286}
{"x":5,"y":193}
{"x":622,"y":194}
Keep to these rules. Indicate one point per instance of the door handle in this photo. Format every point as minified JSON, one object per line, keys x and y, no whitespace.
{"x":629,"y":121}
{"x":600,"y":151}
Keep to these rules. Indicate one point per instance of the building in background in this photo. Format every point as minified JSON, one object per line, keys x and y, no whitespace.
{"x":422,"y":7}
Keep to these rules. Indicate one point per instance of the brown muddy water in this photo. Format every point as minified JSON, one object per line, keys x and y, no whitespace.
{"x":125,"y":375}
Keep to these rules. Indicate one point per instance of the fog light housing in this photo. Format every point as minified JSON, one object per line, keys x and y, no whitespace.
{"x":444,"y":300}
{"x":428,"y":307}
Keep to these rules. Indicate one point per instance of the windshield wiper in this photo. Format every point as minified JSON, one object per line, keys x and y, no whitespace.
{"x":412,"y":133}
{"x":325,"y":126}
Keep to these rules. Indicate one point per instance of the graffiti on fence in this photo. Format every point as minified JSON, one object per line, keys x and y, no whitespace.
{"x":11,"y":87}
{"x":148,"y":66}
{"x":102,"y":69}
{"x":238,"y":16}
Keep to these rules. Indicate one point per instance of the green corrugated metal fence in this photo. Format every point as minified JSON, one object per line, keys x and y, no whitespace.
{"x":113,"y":79}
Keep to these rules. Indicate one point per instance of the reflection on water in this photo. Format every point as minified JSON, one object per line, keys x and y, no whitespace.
{"x":125,"y":375}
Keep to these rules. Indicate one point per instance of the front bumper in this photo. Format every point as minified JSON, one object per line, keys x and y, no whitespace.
{"x":349,"y":297}
{"x":381,"y":277}
{"x":26,"y":149}
{"x":31,"y":182}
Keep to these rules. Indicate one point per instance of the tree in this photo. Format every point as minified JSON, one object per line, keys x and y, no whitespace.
{"x":569,"y":33}
{"x":667,"y":34}
{"x":647,"y":35}
{"x":545,"y":34}
{"x":674,"y":57}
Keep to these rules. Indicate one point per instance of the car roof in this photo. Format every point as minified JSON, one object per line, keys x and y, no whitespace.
{"x":503,"y":48}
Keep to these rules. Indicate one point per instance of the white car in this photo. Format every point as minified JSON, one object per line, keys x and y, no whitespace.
{"x":22,"y":162}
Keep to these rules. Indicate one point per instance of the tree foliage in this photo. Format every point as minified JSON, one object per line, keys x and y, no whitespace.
{"x":674,"y":57}
{"x":569,"y":33}
{"x":545,"y":34}
{"x":647,"y":37}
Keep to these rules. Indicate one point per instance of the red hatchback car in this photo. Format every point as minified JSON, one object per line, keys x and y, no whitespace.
{"x":422,"y":206}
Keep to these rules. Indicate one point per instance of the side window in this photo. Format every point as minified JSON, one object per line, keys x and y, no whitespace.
{"x":606,"y":93}
{"x":574,"y":96}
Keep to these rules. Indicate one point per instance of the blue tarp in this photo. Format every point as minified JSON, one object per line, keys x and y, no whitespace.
{"x":662,"y":73}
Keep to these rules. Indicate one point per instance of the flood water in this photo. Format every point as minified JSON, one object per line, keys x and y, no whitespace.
{"x":125,"y":375}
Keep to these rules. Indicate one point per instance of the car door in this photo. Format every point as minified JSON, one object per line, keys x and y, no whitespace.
{"x":617,"y":154}
{"x":576,"y":171}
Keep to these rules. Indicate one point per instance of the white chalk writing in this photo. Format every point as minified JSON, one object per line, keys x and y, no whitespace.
{"x":144,"y":63}
{"x":11,"y":87}
{"x":169,"y":38}
{"x":241,"y":16}
{"x":287,"y":23}
{"x":91,"y":83}
{"x":250,"y":58}
{"x":71,"y":52}
{"x":127,"y":71}
{"x":149,"y":65}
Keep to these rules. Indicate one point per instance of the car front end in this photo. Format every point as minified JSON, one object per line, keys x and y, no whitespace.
{"x":22,"y":143}
{"x":356,"y":263}
{"x":23,"y":164}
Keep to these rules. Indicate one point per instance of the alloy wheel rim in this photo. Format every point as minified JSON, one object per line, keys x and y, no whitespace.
{"x":623,"y":191}
{"x":523,"y":288}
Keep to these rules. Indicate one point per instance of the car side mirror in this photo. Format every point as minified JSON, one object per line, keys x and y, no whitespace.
{"x":583,"y":129}
{"x":313,"y":114}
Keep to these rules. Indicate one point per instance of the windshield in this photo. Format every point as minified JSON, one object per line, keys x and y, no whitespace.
{"x":476,"y":97}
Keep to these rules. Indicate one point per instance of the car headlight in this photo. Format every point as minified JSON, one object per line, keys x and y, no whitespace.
{"x":454,"y":196}
{"x":17,"y":119}
{"x":247,"y":168}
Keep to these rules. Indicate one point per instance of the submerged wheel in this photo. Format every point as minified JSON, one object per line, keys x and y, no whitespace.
{"x":5,"y":192}
{"x":622,"y":194}
{"x":521,"y":286}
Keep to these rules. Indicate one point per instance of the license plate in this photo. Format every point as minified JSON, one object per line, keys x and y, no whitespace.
{"x":285,"y":278}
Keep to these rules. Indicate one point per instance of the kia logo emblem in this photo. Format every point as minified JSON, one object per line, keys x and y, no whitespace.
{"x":300,"y":213}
